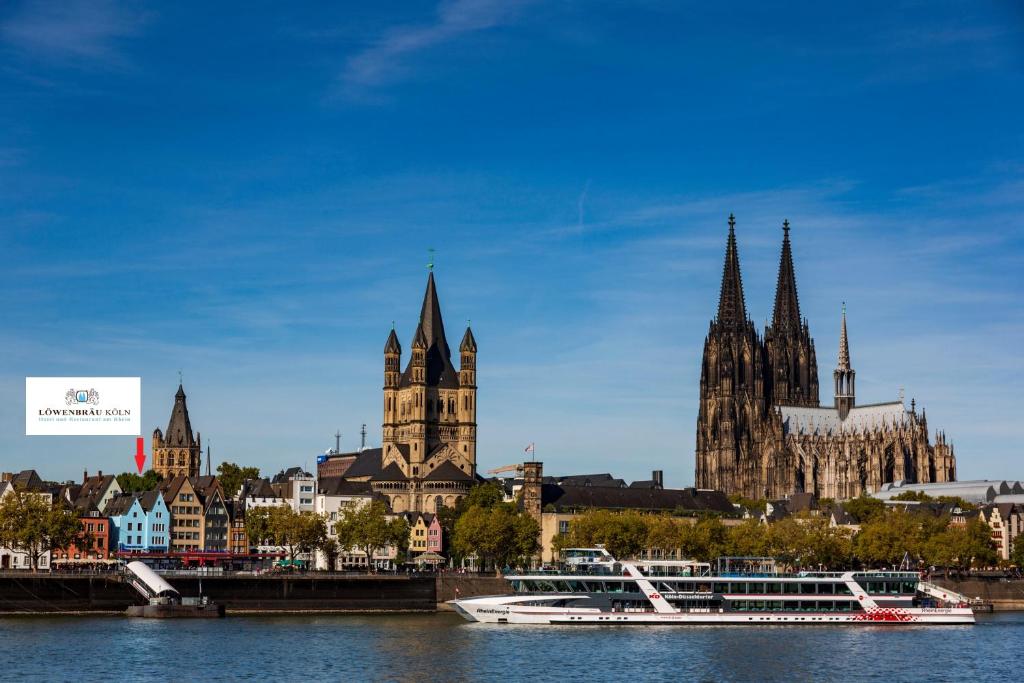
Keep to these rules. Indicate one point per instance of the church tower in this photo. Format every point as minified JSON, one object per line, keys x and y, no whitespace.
{"x":428,"y":457}
{"x":793,"y":367}
{"x":732,"y":391}
{"x":844,"y":375}
{"x":177,"y":451}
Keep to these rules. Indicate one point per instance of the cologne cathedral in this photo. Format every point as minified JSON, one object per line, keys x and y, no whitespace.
{"x":761,"y":430}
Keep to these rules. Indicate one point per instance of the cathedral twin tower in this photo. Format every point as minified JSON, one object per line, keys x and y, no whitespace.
{"x":761,"y":431}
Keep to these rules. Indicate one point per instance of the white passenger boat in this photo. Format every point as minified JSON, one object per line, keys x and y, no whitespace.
{"x":593,"y":587}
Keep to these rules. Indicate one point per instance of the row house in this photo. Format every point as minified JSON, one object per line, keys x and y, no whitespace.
{"x":1006,"y":521}
{"x":26,"y":481}
{"x":424,"y":533}
{"x":93,"y":546}
{"x":141,"y":522}
{"x":297,"y":488}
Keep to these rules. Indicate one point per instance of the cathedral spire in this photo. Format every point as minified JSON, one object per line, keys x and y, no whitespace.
{"x":844,"y":345}
{"x":844,"y":375}
{"x":787,"y":305}
{"x":732,"y":310}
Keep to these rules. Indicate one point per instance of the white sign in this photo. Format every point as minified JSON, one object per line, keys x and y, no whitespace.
{"x":83,"y":406}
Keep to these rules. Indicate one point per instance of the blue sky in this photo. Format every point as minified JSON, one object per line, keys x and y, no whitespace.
{"x":247,"y":192}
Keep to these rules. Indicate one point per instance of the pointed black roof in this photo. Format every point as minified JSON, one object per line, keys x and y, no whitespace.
{"x":392,"y":345}
{"x":468,"y":341}
{"x":787,"y":305}
{"x":179,"y":428}
{"x":732,"y":310}
{"x":430,"y":331}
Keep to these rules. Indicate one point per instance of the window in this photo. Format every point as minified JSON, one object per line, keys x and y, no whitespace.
{"x":563,"y":527}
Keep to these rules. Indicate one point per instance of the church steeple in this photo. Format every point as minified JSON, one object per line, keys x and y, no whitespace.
{"x":787,"y":304}
{"x":793,"y":368}
{"x":178,"y":451}
{"x":732,"y":310}
{"x":430,"y":333}
{"x":844,"y":375}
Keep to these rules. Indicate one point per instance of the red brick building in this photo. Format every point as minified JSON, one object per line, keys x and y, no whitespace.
{"x":96,"y":545}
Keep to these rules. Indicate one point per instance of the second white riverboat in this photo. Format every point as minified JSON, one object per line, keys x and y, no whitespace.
{"x":594,"y":588}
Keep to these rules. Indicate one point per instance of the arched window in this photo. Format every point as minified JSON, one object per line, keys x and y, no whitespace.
{"x":438,"y":503}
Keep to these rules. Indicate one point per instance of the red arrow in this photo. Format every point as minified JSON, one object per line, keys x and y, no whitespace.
{"x":140,"y":453}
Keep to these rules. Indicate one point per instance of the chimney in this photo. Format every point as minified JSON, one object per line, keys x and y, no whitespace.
{"x":99,"y":473}
{"x":85,"y":476}
{"x":659,"y":479}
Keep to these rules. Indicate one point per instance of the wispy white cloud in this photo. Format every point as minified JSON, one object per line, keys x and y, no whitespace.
{"x":387,"y":59}
{"x":83,"y":33}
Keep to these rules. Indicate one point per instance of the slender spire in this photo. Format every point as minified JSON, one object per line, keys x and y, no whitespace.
{"x":787,"y":304}
{"x":179,"y":427}
{"x":392,"y":345}
{"x":430,"y":333}
{"x":732,"y":310}
{"x":844,"y":345}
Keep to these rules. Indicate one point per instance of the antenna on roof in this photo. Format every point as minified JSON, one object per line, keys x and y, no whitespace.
{"x":362,"y":432}
{"x":337,"y":441}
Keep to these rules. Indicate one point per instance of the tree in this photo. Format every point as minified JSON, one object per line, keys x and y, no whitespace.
{"x":962,"y":547}
{"x":1017,"y":556}
{"x":706,"y":540}
{"x":485,"y":495}
{"x":369,"y":528}
{"x":257,"y":525}
{"x":664,"y":533}
{"x":884,"y":540}
{"x":498,"y":535}
{"x":331,"y":550}
{"x":623,"y":534}
{"x":136,"y":483}
{"x":30,"y":524}
{"x":298,"y":532}
{"x":232,"y":476}
{"x":864,"y":508}
{"x":748,"y":539}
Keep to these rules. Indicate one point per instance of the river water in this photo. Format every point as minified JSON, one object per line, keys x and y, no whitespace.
{"x":442,"y":647}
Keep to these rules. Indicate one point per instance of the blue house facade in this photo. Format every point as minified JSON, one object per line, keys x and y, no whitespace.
{"x":140,"y":522}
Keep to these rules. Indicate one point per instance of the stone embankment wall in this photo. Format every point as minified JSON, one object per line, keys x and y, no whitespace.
{"x":1003,"y":594}
{"x":23,"y":592}
{"x":452,"y":586}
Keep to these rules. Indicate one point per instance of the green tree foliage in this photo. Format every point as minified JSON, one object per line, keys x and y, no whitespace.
{"x":1017,"y":556}
{"x":257,"y":526}
{"x":706,"y":540}
{"x":884,"y":540}
{"x":748,"y":539}
{"x":623,"y":534}
{"x":370,"y":528}
{"x":485,"y":495}
{"x":864,"y":508}
{"x":962,"y":546}
{"x":29,"y":524}
{"x":299,"y":533}
{"x":131,"y":482}
{"x":232,"y":476}
{"x":499,"y":534}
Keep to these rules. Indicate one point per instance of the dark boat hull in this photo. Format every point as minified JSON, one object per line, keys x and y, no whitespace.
{"x":209,"y":611}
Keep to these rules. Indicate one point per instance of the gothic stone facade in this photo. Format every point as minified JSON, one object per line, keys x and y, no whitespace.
{"x":428,"y":457}
{"x":761,"y":431}
{"x":177,"y":451}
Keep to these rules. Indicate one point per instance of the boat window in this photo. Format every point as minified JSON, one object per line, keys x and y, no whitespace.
{"x":614,"y":586}
{"x":807,"y":589}
{"x":909,"y":587}
{"x":791,"y":588}
{"x":843,"y":589}
{"x":826,"y":589}
{"x":791,"y":605}
{"x":545,"y":587}
{"x":721,"y":588}
{"x":772,"y":588}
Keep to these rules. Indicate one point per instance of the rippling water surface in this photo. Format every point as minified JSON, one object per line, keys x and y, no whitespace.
{"x":442,"y":647}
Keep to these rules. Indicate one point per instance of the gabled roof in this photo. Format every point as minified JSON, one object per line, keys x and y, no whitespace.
{"x":367,"y":464}
{"x":120,"y":504}
{"x":841,"y":516}
{"x":256,"y":488}
{"x":28,"y":480}
{"x":447,"y":471}
{"x":391,"y":473}
{"x":170,"y":487}
{"x":205,"y":485}
{"x":392,"y":345}
{"x":149,"y":500}
{"x":290,"y":474}
{"x":430,"y":333}
{"x":339,"y":486}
